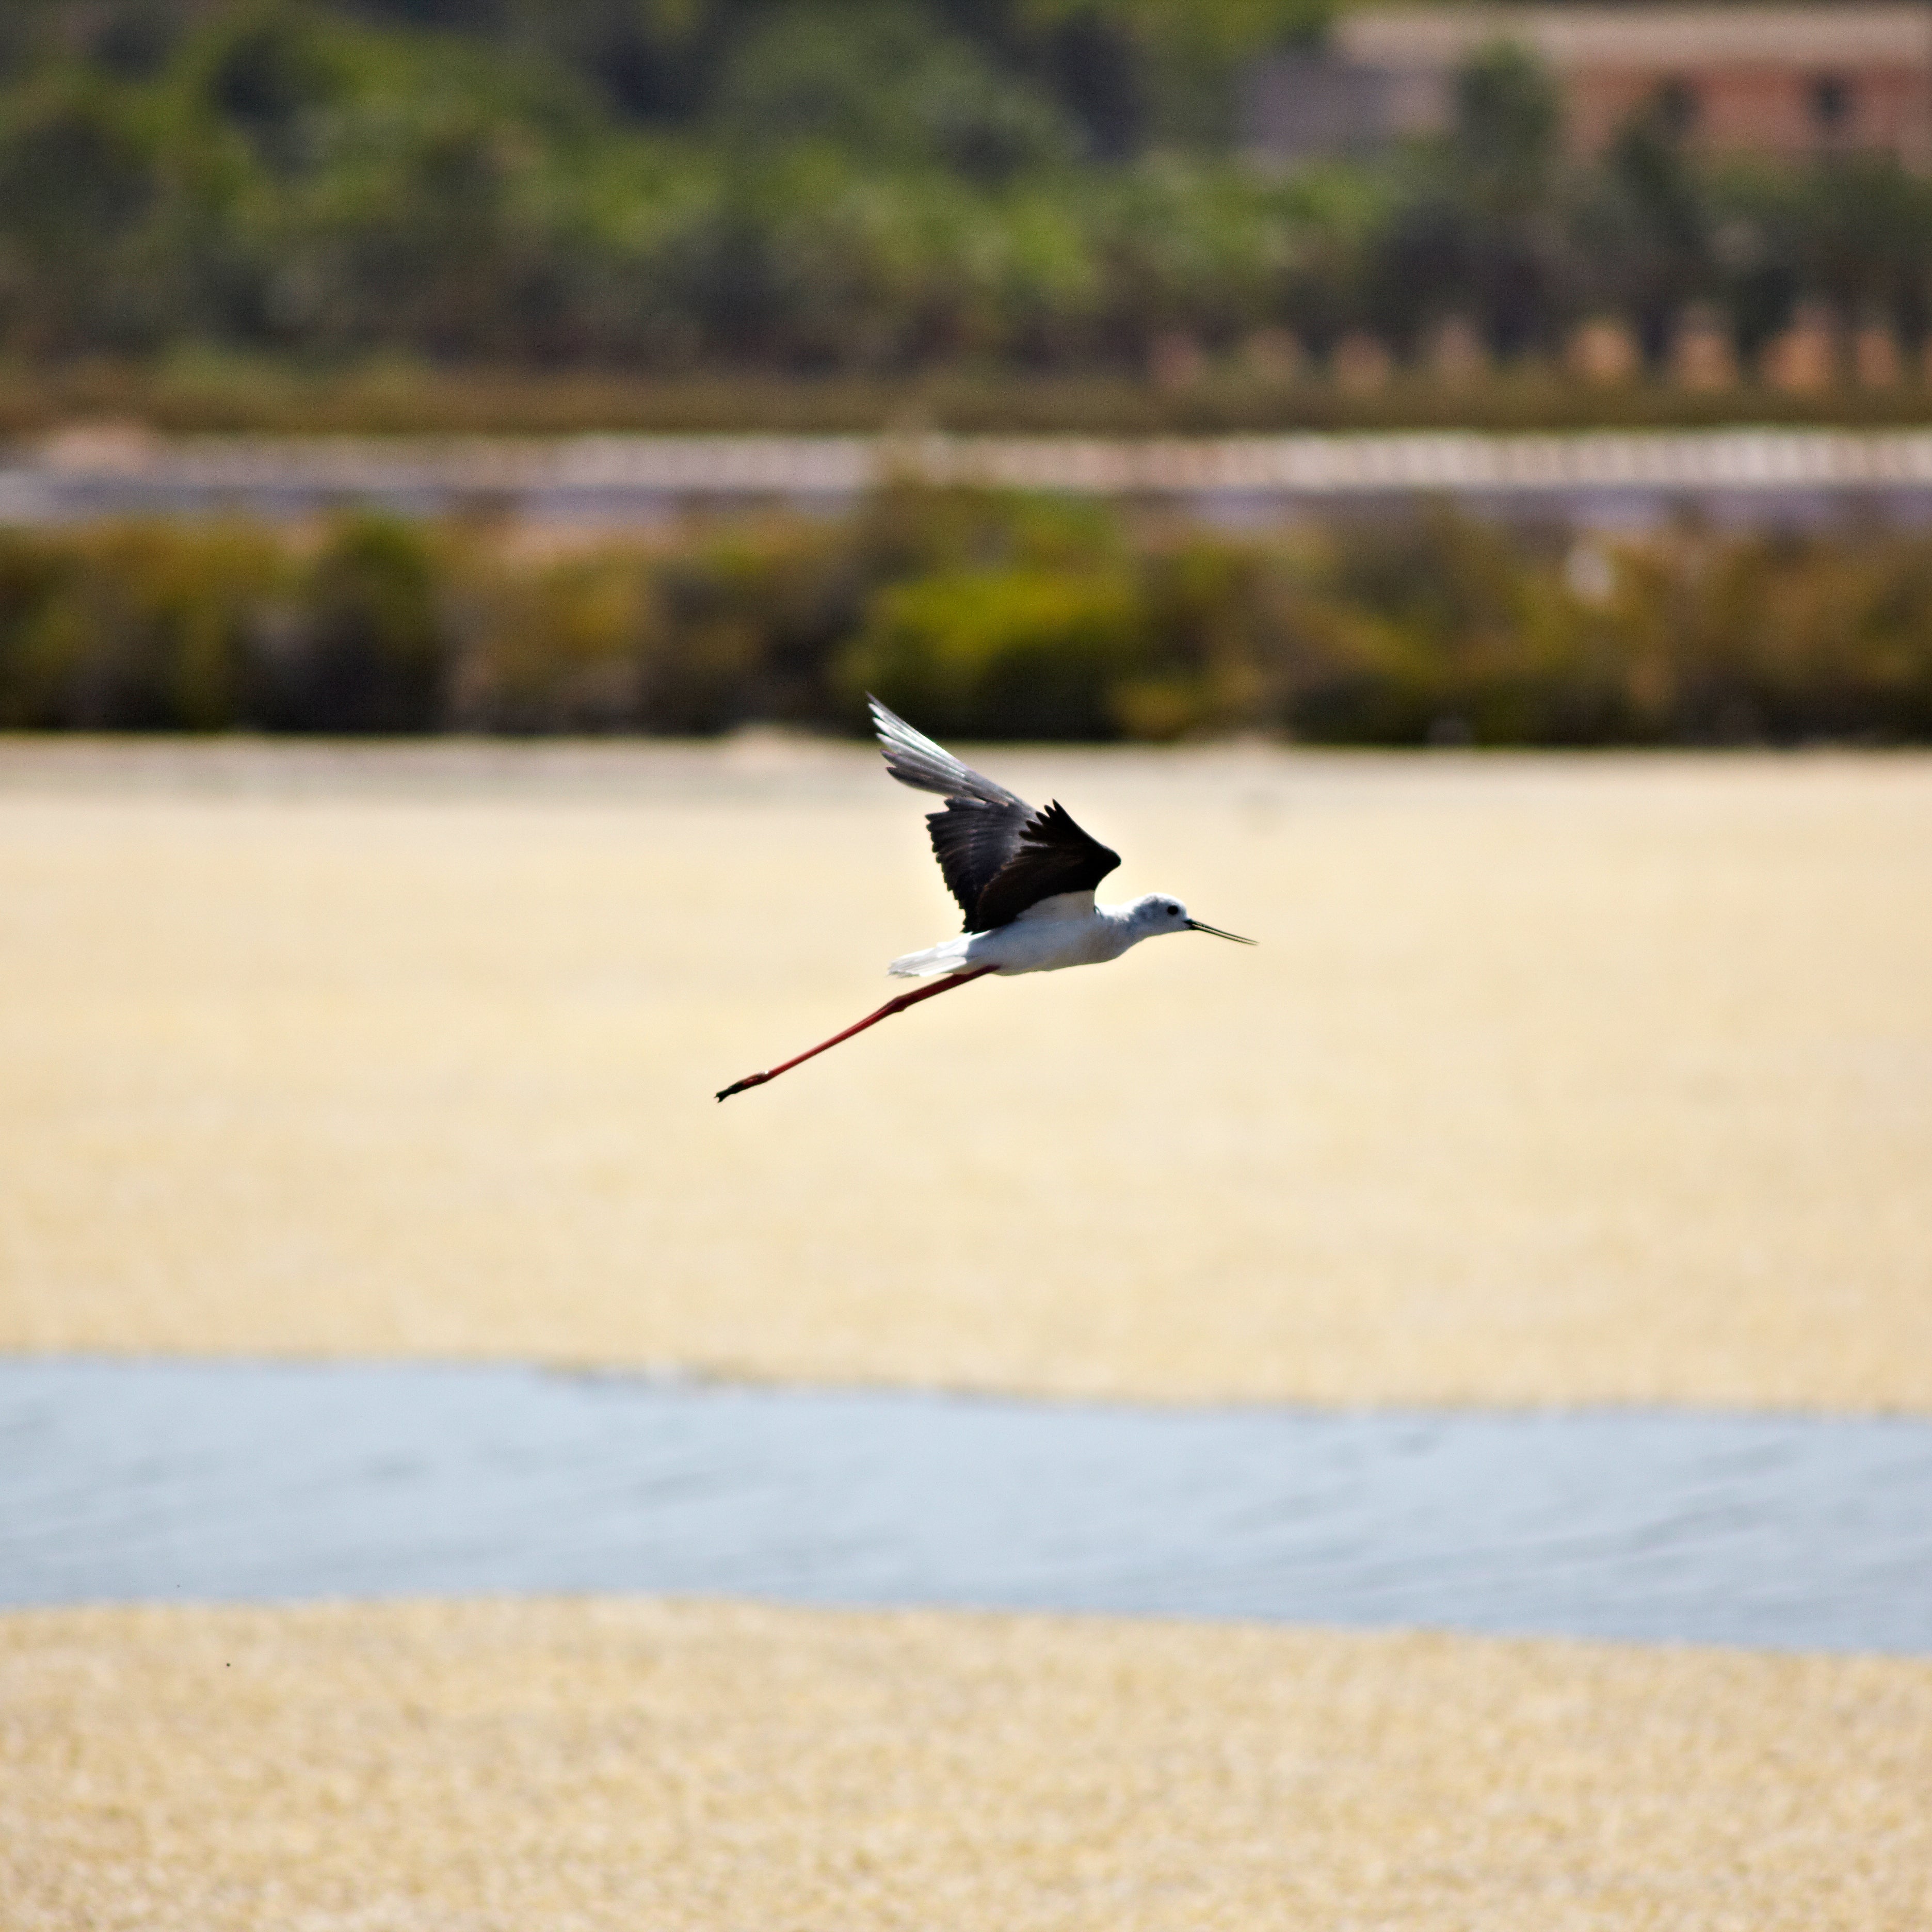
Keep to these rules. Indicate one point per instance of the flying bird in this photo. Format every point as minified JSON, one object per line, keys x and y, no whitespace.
{"x":1024,"y":879}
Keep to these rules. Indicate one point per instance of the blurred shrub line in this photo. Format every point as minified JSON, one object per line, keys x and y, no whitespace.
{"x":981,"y":616}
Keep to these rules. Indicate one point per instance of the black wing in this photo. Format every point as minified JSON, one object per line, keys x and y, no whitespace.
{"x":999,"y":855}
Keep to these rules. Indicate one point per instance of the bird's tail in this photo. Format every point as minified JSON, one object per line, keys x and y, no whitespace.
{"x":948,"y":956}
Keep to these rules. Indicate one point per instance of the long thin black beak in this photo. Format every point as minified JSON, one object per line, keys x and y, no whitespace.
{"x":1195,"y":926}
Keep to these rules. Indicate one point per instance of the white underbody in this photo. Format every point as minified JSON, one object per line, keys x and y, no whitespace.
{"x":1068,"y":929}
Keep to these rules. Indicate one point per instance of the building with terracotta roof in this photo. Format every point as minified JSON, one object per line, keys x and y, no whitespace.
{"x":1794,"y":82}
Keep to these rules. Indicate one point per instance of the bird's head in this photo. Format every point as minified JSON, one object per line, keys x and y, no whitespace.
{"x":1155,"y":913}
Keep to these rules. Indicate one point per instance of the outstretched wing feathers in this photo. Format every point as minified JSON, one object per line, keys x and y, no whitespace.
{"x":1051,"y":855}
{"x":972,"y":840}
{"x":998,"y":855}
{"x":914,"y":760}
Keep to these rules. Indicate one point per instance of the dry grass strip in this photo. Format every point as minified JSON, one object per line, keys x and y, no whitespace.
{"x":1594,"y":1079}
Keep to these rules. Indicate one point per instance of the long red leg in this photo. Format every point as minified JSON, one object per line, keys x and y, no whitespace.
{"x":885,"y":1012}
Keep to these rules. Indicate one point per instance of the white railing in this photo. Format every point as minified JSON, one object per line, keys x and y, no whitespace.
{"x":90,"y":473}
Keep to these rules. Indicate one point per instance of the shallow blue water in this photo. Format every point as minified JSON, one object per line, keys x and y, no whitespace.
{"x":175,"y":1480}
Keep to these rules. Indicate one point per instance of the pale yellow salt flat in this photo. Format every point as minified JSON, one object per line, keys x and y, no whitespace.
{"x":497,"y":1767}
{"x":1553,"y":1080}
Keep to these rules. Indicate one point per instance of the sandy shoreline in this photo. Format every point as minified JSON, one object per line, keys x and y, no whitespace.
{"x":591,"y":1764}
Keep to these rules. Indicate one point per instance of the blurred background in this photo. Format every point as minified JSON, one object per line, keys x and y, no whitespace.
{"x":1252,"y":199}
{"x":1096,"y":219}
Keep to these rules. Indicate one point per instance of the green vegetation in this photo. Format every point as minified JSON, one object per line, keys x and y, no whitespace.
{"x":989,"y":616}
{"x":203,"y":392}
{"x":987,"y":211}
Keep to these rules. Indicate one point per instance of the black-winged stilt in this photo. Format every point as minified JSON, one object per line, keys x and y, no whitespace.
{"x":1024,"y":878}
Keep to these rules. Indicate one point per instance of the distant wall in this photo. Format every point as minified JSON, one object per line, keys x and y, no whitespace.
{"x":1793,"y":82}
